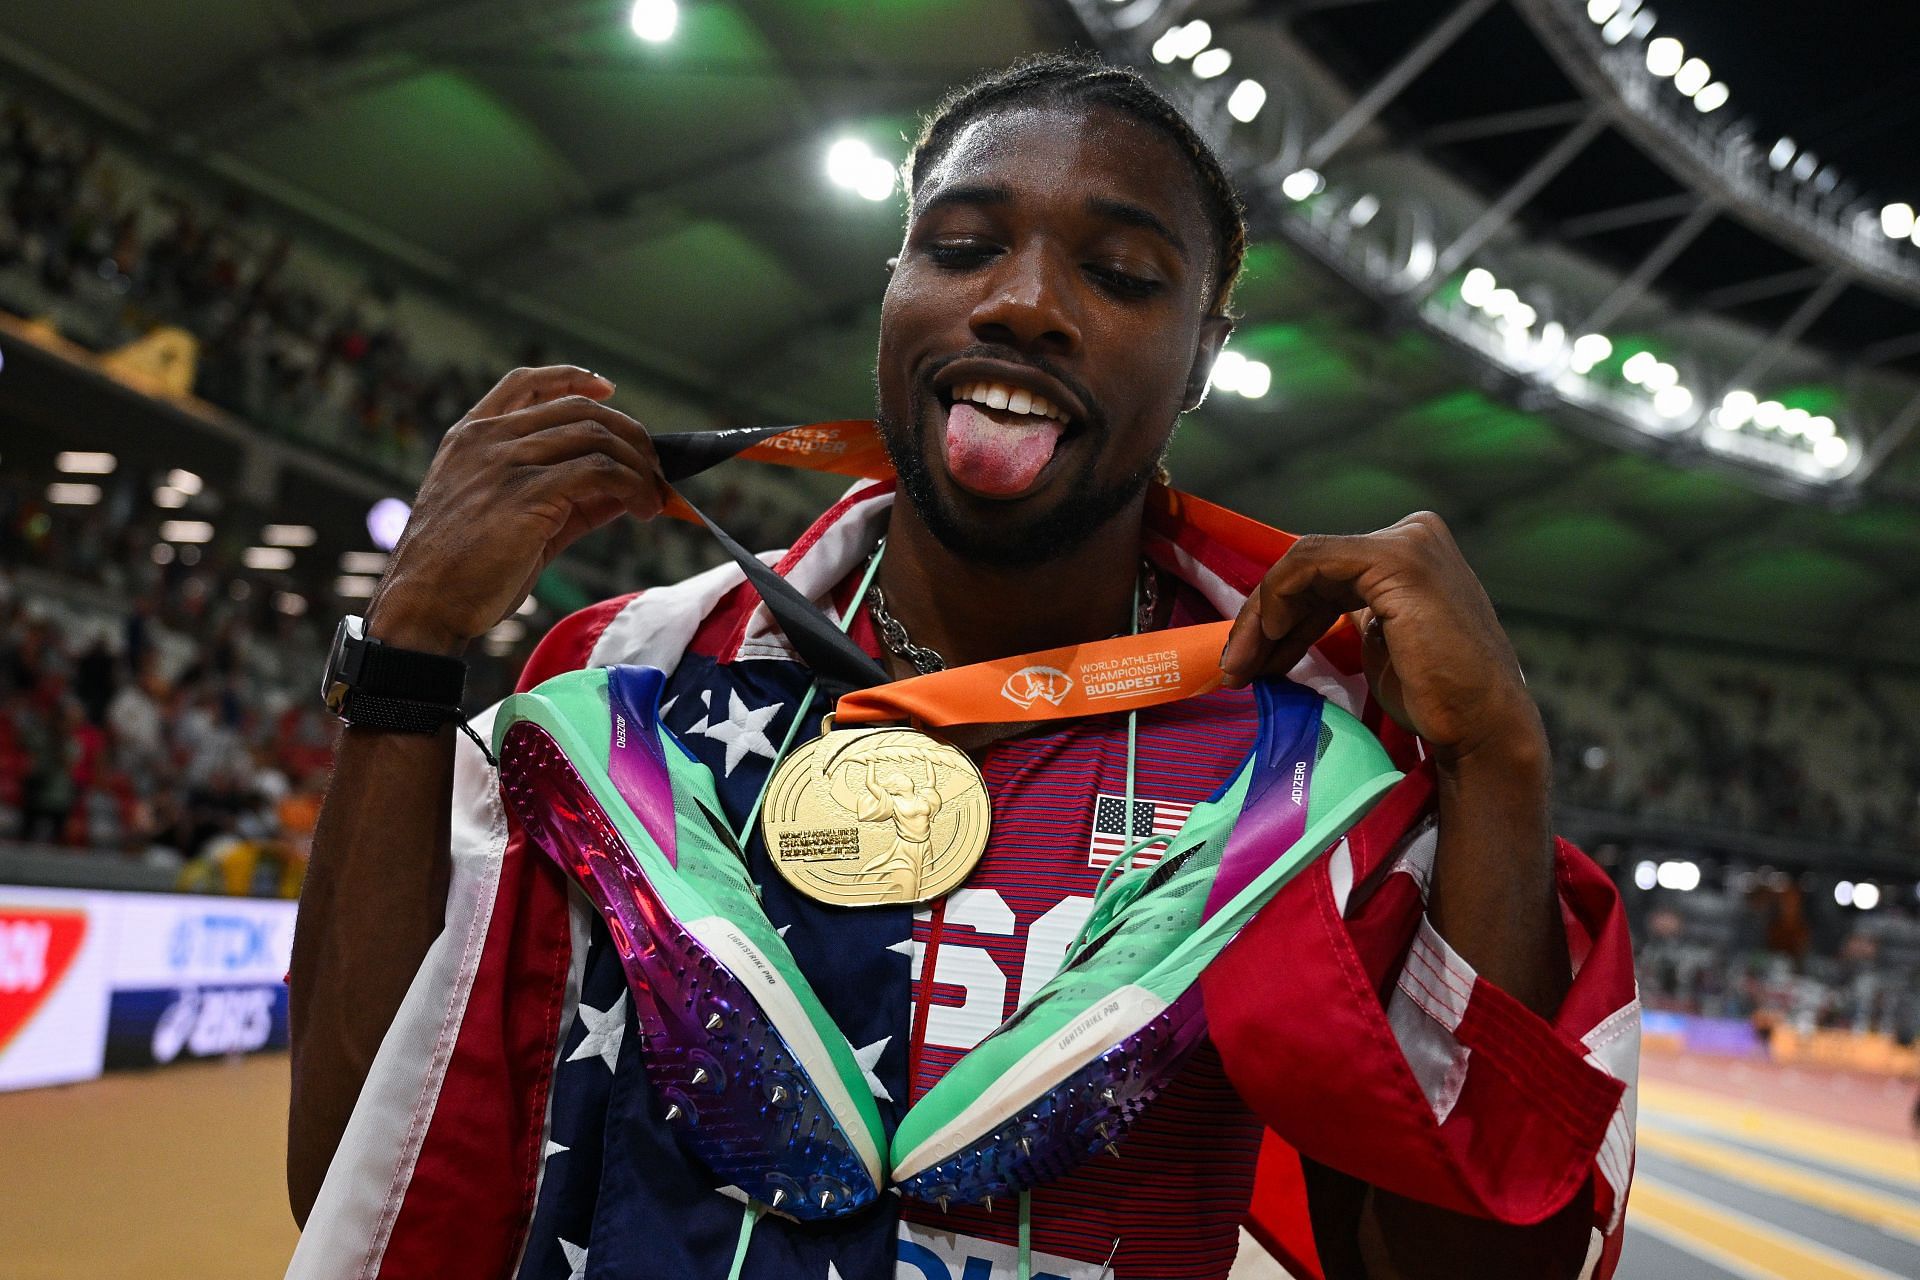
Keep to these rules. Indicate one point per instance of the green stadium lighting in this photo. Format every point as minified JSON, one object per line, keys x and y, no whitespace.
{"x":654,"y":20}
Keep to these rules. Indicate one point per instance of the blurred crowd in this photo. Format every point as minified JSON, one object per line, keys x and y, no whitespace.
{"x":119,"y":733}
{"x":1779,"y":950}
{"x":1719,"y":740}
{"x":110,"y":254}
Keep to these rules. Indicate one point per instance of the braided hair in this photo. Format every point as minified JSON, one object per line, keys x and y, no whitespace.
{"x":1057,"y":79}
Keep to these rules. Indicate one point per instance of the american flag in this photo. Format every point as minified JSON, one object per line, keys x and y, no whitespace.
{"x":1150,"y":818}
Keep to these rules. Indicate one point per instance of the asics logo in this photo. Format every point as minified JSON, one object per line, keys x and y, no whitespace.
{"x":1029,"y":685}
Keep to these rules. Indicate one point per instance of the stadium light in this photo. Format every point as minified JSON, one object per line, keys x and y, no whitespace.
{"x":1803,"y":168}
{"x":386,"y":521}
{"x":288,"y":535}
{"x":1598,"y":11}
{"x":1672,"y":402}
{"x":654,"y":20}
{"x":1736,"y":408}
{"x":1897,"y":220}
{"x":1782,"y":154}
{"x":162,"y":553}
{"x":267,"y":559}
{"x":1246,"y":100}
{"x":1831,"y":452}
{"x":76,"y":462}
{"x":168,"y":498}
{"x":73,"y":495}
{"x":1212,"y":63}
{"x":355,"y":586}
{"x":1234,"y":372}
{"x":1679,"y":875}
{"x":1302,"y":183}
{"x":1843,"y":893}
{"x":1665,"y":56}
{"x":185,"y":531}
{"x":185,"y":481}
{"x":291,"y":603}
{"x":1692,"y":76}
{"x":1477,"y":286}
{"x":1866,"y":895}
{"x":852,"y":164}
{"x":1711,"y":98}
{"x":1589,"y":349}
{"x":1646,"y":876}
{"x":1364,"y":209}
{"x":374,"y":562}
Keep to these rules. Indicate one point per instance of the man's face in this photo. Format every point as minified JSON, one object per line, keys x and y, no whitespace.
{"x":1054,"y":252}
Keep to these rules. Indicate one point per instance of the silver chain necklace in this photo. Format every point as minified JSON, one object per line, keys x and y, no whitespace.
{"x":927,"y":661}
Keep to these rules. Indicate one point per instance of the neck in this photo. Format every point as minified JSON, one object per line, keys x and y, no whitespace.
{"x":971,"y":612}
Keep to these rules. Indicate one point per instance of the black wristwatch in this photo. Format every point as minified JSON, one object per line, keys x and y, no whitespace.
{"x":377,"y":686}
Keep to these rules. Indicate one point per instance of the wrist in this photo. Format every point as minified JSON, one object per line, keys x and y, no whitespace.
{"x":1513,"y":755}
{"x":392,"y":622}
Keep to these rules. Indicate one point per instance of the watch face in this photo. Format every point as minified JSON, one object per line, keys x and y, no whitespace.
{"x":337,"y":681}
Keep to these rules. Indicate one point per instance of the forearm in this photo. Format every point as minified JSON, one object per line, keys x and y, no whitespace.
{"x":373,"y":903}
{"x":1493,"y":896}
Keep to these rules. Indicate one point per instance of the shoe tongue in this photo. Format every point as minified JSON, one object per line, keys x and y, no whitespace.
{"x":991,"y":456}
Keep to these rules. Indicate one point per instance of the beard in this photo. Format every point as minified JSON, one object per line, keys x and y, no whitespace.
{"x":1001,"y":541}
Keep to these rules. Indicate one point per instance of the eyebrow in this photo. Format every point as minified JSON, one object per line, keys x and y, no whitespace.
{"x":987,"y":195}
{"x":1134,"y":216}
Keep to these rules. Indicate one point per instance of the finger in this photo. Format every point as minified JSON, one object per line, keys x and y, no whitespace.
{"x":1246,"y":645}
{"x":577,"y":439}
{"x":523,"y":387}
{"x":1284,"y":653}
{"x":562,"y":410}
{"x":578,"y":481}
{"x":1314,"y":572}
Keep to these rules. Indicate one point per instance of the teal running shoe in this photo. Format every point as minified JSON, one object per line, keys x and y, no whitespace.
{"x":752,"y":1074}
{"x":1065,"y":1075}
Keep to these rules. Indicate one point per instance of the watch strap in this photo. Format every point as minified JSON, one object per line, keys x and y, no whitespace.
{"x":407,"y":675}
{"x":365,"y":710}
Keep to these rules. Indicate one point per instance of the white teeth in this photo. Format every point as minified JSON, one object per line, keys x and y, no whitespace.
{"x":996,"y":395}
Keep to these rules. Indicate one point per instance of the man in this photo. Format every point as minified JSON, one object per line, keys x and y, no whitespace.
{"x":1440,"y":1016}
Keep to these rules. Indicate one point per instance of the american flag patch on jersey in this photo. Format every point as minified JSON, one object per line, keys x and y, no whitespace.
{"x":1150,"y":818}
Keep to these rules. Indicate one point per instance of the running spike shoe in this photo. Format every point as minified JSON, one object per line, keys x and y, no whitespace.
{"x":750,"y":1071}
{"x":1066,"y":1074}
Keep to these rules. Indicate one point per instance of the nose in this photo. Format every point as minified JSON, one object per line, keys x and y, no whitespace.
{"x":1028,"y":304}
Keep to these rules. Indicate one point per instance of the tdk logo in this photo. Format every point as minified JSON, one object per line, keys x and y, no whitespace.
{"x":221,"y":942}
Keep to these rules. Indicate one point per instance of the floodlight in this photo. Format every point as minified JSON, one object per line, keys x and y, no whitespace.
{"x":1897,"y":220}
{"x":1711,"y":98}
{"x":1212,"y":63}
{"x":654,"y":20}
{"x":1665,"y":55}
{"x":1246,"y":100}
{"x":1692,"y":76}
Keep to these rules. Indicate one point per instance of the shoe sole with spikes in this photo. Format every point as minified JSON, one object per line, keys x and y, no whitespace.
{"x":1031,"y":1101}
{"x":743,"y":1071}
{"x":1084,"y":1116}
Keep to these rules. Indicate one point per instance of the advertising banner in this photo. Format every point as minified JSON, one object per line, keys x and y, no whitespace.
{"x":91,"y":980}
{"x":197,"y":977}
{"x":55,"y":950}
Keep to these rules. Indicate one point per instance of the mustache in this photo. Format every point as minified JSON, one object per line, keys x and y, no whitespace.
{"x":1096,"y":416}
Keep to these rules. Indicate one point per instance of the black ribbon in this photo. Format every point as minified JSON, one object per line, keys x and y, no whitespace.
{"x":838,"y":663}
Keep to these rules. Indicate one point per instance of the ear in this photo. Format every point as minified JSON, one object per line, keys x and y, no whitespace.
{"x":1213,"y":336}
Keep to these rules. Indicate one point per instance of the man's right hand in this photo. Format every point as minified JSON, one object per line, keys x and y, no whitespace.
{"x":533,"y":467}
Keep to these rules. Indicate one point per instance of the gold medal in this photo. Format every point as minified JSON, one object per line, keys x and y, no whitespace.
{"x":875,"y":816}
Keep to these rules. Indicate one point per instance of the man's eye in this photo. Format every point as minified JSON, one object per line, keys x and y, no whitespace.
{"x":959,"y":253}
{"x":1124,"y":283}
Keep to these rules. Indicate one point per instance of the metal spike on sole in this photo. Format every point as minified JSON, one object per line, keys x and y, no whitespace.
{"x":943,"y":1204}
{"x":673,"y":1112}
{"x":987,"y":1204}
{"x":713,"y":1022}
{"x":779,"y":1198}
{"x":826,"y":1198}
{"x":779,"y":1093}
{"x":699,"y":1075}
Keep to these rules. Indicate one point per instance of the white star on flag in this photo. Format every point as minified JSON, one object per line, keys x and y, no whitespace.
{"x":604,"y":1029}
{"x":743,"y":731}
{"x":868,"y":1058}
{"x":553,"y":1149}
{"x":576,"y":1258}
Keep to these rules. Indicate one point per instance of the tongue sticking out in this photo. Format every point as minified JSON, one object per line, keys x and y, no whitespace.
{"x":991,"y":457}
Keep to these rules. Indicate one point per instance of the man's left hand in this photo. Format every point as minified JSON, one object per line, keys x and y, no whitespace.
{"x":1433,"y":650}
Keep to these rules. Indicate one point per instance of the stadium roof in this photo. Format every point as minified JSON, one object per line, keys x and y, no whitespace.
{"x":661,"y":211}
